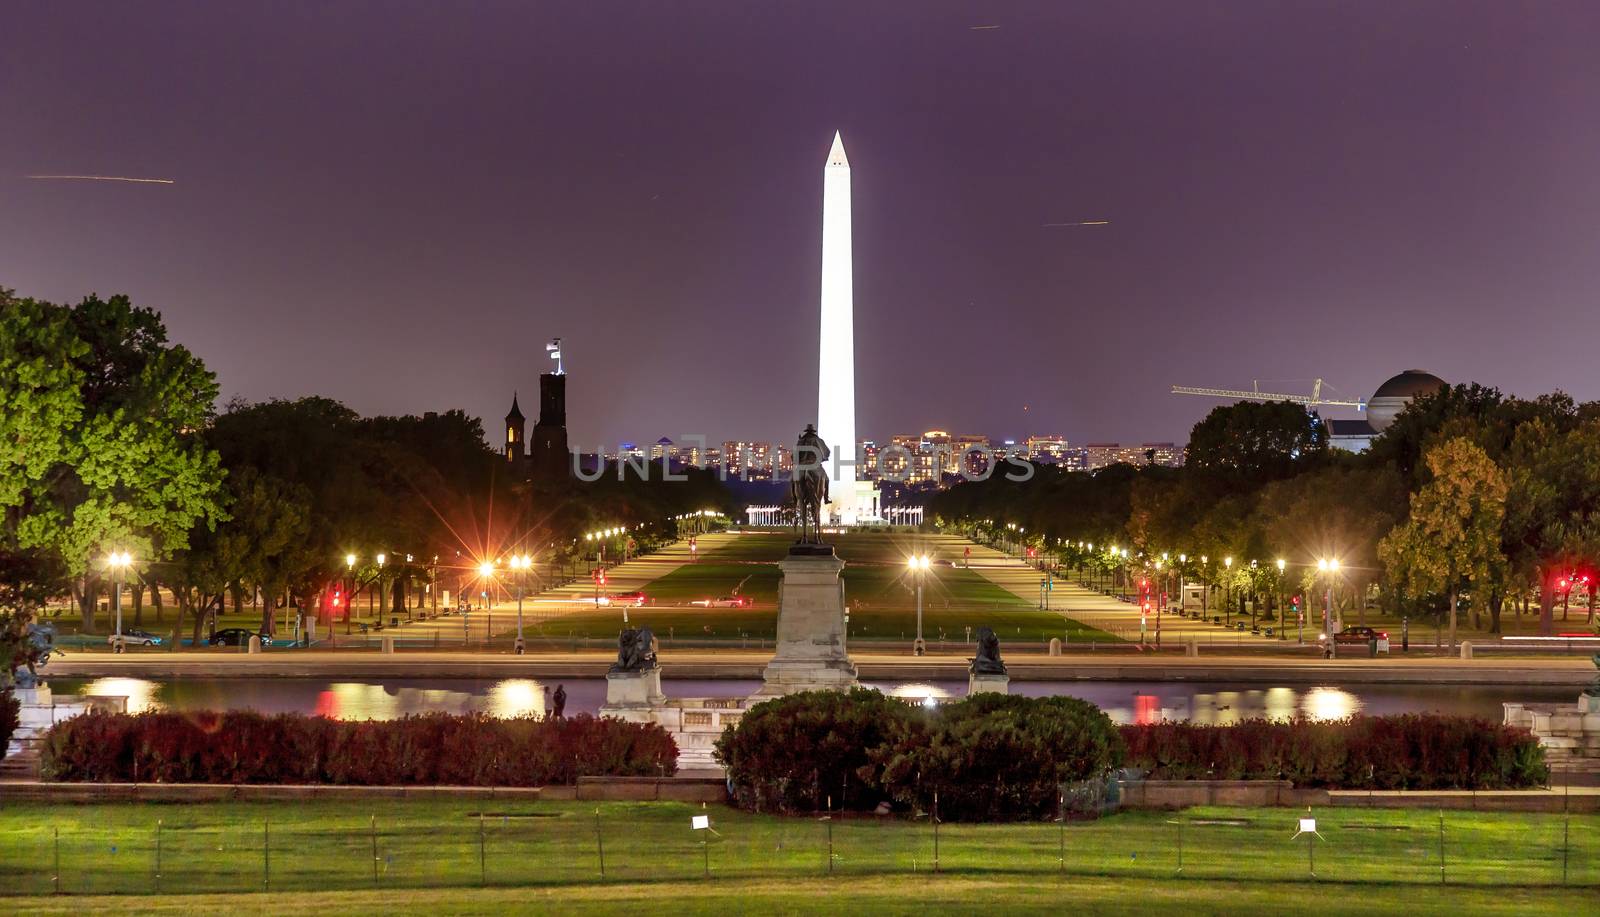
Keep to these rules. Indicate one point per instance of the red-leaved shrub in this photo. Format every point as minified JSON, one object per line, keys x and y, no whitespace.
{"x":1412,"y":751}
{"x":433,"y":749}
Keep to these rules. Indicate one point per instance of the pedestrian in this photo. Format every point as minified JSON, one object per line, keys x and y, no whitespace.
{"x":561,"y":701}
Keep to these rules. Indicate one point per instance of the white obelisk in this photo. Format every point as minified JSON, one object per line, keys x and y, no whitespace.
{"x":836,"y":365}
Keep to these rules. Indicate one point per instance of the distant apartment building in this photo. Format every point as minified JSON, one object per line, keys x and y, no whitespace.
{"x":1047,"y":450}
{"x":743,"y":458}
{"x":1103,"y":455}
{"x":663,"y":449}
{"x":867,"y":455}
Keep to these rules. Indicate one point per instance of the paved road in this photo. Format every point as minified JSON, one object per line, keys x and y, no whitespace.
{"x":1575,"y":672}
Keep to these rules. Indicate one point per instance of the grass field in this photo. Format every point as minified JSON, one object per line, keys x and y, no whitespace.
{"x":880,"y":593}
{"x":549,"y":852}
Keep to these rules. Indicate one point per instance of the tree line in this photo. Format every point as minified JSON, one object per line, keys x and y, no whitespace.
{"x":1469,"y":500}
{"x":111,"y":441}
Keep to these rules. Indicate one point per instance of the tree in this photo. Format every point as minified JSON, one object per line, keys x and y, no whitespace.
{"x":1253,"y":442}
{"x":1552,"y":523}
{"x":99,"y":442}
{"x":1451,"y":540}
{"x":1342,"y":511}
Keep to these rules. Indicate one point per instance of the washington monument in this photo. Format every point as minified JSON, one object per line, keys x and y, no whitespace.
{"x":836,"y":366}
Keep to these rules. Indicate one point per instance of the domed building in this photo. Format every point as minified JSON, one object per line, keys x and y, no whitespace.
{"x":1385,"y":405}
{"x":1392,"y":397}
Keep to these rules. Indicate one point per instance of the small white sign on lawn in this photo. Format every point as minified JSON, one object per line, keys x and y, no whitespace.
{"x":700,"y":822}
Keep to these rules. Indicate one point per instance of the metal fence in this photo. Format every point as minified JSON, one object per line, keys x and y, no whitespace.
{"x":193,"y":849}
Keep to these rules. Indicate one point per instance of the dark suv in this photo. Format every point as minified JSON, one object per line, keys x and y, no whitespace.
{"x":234,"y":636}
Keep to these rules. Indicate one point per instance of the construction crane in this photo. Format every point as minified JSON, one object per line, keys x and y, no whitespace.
{"x":1256,"y":394}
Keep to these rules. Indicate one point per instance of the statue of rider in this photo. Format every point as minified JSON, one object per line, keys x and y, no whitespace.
{"x":811,"y":451}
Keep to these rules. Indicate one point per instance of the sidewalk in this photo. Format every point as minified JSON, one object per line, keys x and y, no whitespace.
{"x":1088,"y":607}
{"x":576,"y":596}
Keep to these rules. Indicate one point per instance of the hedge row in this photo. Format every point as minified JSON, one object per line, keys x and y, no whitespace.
{"x":988,"y":757}
{"x":995,"y":756}
{"x":1411,"y":751}
{"x":433,"y":749}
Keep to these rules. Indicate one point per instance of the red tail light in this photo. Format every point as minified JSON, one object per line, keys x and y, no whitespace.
{"x":1383,"y":635}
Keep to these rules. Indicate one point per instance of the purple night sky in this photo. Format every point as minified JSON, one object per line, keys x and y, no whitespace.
{"x":397,"y":204}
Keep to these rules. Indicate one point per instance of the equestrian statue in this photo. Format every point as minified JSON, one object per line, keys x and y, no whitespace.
{"x":808,"y":485}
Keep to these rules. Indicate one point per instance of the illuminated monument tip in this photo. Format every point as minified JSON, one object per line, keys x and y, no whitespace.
{"x":836,"y":156}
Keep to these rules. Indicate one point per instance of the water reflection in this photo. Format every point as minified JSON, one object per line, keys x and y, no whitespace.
{"x":518,"y":697}
{"x":916,"y":690}
{"x":141,"y":694}
{"x":1329,"y":704}
{"x":1124,"y":702}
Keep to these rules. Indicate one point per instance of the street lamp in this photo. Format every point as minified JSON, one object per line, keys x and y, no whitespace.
{"x":1282,"y":621}
{"x":519,"y":566}
{"x":118,"y":562}
{"x":919,"y":566}
{"x":1227,"y":613}
{"x":486,"y":574}
{"x":1329,"y":566}
{"x":349,"y":587}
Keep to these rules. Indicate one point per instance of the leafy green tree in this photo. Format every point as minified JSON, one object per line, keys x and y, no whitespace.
{"x":100,"y":442}
{"x":1451,"y":540}
{"x":1552,"y":523}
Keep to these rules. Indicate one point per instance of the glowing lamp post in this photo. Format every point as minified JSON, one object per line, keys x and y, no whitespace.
{"x":1329,"y":567}
{"x":1227,"y":587}
{"x":118,"y":562}
{"x":919,"y":564}
{"x":376,"y":595}
{"x":486,"y":576}
{"x":519,"y":567}
{"x":1282,"y":622}
{"x":350,"y":587}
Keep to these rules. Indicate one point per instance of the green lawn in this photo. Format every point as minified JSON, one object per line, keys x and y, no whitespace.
{"x":881,"y":595}
{"x":550,"y":852}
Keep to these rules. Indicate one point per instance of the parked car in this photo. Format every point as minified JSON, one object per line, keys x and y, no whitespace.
{"x":133,"y":637}
{"x":1362,"y":637}
{"x":235,"y":636}
{"x":727,"y":601}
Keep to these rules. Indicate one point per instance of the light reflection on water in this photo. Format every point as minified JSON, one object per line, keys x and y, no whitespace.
{"x":1124,"y":702}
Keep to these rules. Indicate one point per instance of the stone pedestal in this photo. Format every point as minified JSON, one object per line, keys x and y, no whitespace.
{"x":988,"y":684}
{"x":37,"y":696}
{"x":1570,"y":734}
{"x":628,"y":691}
{"x":811,"y":653}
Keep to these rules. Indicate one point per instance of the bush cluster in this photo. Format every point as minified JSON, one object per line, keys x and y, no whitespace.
{"x":1410,"y":751}
{"x":433,"y":749}
{"x":988,"y":757}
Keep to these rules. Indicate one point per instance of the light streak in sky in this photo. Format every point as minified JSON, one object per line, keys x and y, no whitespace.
{"x":1083,"y":223}
{"x":145,"y":181}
